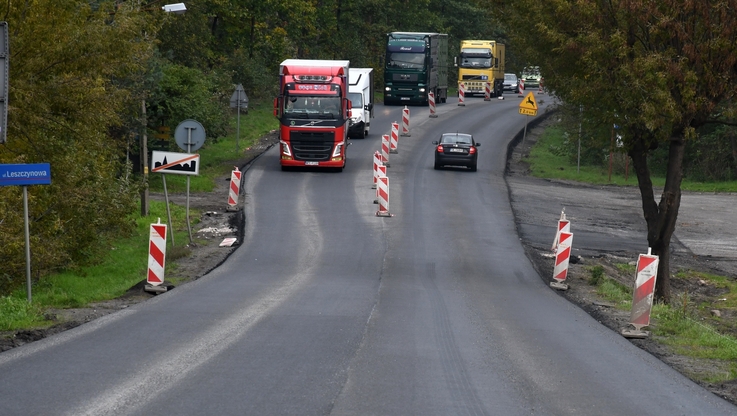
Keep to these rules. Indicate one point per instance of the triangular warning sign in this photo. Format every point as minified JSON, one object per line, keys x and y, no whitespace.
{"x":529,"y":102}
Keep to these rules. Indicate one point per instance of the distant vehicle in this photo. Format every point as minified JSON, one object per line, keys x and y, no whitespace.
{"x":511,"y":83}
{"x":456,"y":149}
{"x":361,"y":94}
{"x":416,"y":65}
{"x":481,"y":62}
{"x":531,"y":76}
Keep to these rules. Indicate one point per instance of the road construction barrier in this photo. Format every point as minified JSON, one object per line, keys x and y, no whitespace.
{"x":377,"y":163}
{"x":156,"y":254}
{"x":394,"y":139}
{"x":380,"y":171}
{"x":562,"y":258}
{"x":461,"y":93}
{"x":385,"y":146}
{"x":487,"y":91}
{"x":235,"y":186}
{"x":521,"y":88}
{"x":382,"y":195}
{"x":405,"y":121}
{"x":431,"y":100}
{"x":540,"y":89}
{"x":563,"y":226}
{"x":642,"y":300}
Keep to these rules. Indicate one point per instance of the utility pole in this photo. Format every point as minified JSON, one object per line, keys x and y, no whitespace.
{"x":144,"y":161}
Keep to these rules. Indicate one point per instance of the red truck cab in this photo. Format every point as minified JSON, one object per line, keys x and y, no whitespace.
{"x":314,"y":113}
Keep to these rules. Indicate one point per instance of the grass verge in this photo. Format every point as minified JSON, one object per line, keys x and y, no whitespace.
{"x":127,"y":261}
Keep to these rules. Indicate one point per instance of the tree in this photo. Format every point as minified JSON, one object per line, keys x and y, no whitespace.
{"x":659,"y":69}
{"x":63,"y":104}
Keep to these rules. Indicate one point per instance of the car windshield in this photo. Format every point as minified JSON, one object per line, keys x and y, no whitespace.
{"x":510,"y":77}
{"x":456,"y":139}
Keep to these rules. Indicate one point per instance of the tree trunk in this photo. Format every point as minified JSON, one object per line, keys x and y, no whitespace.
{"x":660,"y":218}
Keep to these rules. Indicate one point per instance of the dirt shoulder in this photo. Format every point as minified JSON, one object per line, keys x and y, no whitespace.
{"x":534,"y":204}
{"x":615,"y":214}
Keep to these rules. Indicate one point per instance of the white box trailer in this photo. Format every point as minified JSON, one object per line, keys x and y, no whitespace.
{"x":361,"y":94}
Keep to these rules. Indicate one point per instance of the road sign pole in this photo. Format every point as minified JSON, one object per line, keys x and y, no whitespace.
{"x":238,"y":128}
{"x":168,"y":210}
{"x":189,"y":146}
{"x":28,"y":243}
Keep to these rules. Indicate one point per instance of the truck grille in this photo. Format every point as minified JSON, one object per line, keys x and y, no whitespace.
{"x":312,"y":146}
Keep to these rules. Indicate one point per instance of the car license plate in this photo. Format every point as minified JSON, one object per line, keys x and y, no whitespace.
{"x":404,"y":98}
{"x":456,"y":150}
{"x":312,"y":163}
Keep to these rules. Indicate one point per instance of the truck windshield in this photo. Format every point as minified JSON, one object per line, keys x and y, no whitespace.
{"x":308,"y":106}
{"x":356,"y":99}
{"x":405,"y":60}
{"x":470,"y":62}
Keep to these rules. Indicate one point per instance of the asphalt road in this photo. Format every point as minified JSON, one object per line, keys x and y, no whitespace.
{"x":328,"y":309}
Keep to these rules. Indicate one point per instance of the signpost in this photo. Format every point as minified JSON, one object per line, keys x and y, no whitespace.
{"x":190,"y":136}
{"x":25,"y":175}
{"x":528,"y":107}
{"x":239,"y":100}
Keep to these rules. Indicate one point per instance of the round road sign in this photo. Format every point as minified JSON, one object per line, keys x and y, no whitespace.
{"x":190,"y":135}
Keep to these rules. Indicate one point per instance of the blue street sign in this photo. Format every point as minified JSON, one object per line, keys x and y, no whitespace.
{"x":25,"y":174}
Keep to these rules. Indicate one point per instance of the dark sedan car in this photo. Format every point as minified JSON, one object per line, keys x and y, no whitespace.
{"x":456,"y":149}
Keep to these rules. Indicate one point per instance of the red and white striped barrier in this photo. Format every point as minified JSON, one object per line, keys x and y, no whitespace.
{"x":562,"y":257}
{"x":394,"y":139}
{"x":487,"y":91}
{"x":431,"y":100}
{"x":382,"y":194}
{"x":380,"y":172}
{"x":563,"y":226}
{"x":461,"y":93}
{"x":235,"y":186}
{"x":405,"y":121}
{"x":377,"y":163}
{"x":156,"y":254}
{"x":385,"y":146}
{"x":521,"y":88}
{"x":540,"y":89}
{"x":642,"y":302}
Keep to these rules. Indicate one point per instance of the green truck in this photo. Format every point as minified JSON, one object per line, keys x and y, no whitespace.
{"x":416,"y":64}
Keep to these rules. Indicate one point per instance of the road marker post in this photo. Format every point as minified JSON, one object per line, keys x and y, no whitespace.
{"x":380,"y":172}
{"x":431,"y":101}
{"x":562,"y":257}
{"x":377,"y":163}
{"x":156,"y":258}
{"x":521,"y":88}
{"x":385,"y":149}
{"x":642,"y":299}
{"x":461,"y":94}
{"x":394,"y":140}
{"x":235,"y":186}
{"x":487,"y":91}
{"x":405,"y":122}
{"x":382,"y":192}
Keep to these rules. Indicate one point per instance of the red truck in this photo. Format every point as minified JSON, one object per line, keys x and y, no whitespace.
{"x":314,"y":113}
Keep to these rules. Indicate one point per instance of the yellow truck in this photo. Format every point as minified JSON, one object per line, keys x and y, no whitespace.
{"x":481,"y":61}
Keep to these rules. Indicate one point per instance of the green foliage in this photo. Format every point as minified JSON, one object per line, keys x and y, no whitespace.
{"x":213,"y":154}
{"x":188,"y":93}
{"x":64,"y":104}
{"x":123,"y":266}
{"x":597,"y":275}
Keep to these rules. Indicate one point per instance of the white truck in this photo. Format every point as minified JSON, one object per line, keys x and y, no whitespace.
{"x":361,"y":94}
